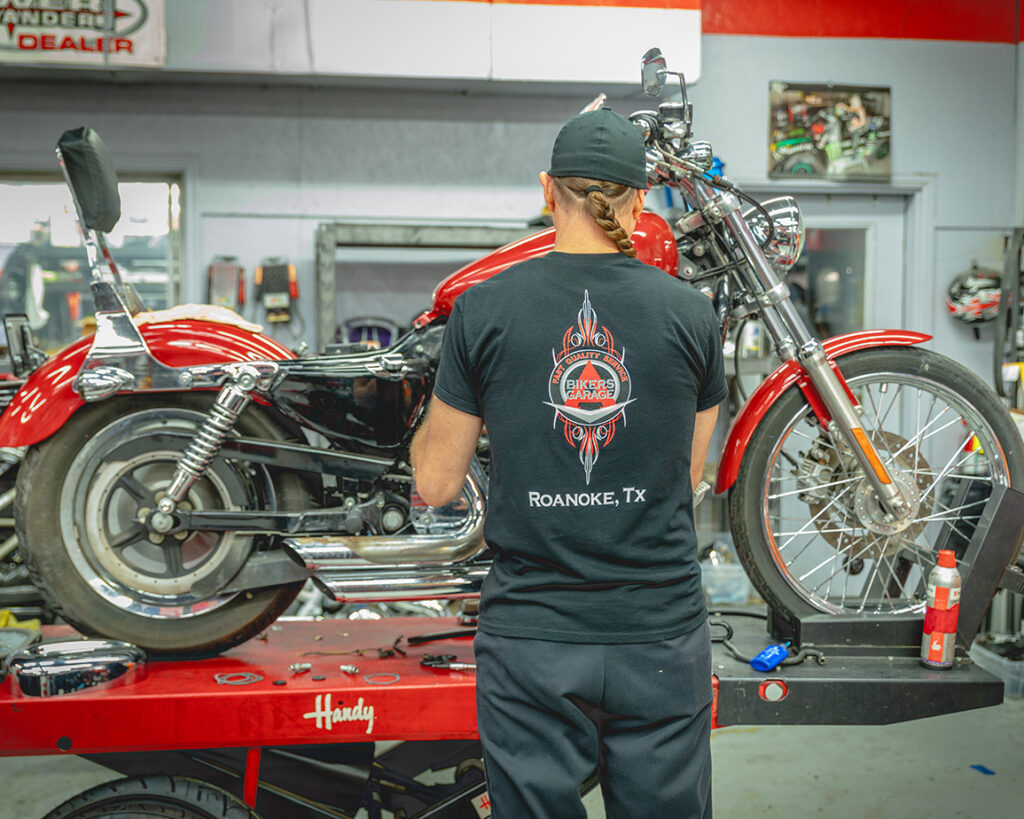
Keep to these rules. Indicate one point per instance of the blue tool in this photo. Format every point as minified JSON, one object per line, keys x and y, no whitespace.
{"x":771,"y":657}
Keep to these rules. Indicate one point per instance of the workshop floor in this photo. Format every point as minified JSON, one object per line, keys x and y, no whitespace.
{"x":961,"y":765}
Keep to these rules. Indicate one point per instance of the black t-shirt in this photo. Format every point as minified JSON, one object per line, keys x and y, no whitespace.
{"x":587,"y":370}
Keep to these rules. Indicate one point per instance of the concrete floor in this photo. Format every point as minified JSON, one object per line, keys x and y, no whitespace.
{"x":920,"y":768}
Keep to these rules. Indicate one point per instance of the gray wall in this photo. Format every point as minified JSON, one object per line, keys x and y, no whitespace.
{"x":955,"y":132}
{"x":263,"y":165}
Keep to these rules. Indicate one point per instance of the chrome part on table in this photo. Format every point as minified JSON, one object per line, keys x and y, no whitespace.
{"x":237,"y":678}
{"x":64,"y":667}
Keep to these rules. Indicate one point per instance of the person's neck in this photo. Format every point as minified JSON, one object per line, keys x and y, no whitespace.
{"x":582,"y":236}
{"x":575,"y":245}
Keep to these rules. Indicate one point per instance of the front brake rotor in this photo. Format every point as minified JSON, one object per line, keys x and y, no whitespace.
{"x":834,"y":517}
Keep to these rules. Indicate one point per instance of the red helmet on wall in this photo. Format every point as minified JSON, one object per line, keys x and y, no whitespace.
{"x":973,"y":296}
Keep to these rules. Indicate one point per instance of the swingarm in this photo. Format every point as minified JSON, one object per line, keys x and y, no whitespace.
{"x":308,"y":522}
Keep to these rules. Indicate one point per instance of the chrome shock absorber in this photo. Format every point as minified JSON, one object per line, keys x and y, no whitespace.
{"x":231,"y":402}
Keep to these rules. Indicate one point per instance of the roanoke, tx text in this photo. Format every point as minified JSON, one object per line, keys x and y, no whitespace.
{"x":629,"y":494}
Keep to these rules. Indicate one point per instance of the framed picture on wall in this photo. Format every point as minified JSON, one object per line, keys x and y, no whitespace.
{"x":829,"y":131}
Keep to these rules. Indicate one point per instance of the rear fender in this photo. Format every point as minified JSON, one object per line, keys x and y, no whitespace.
{"x":791,"y":372}
{"x":47,"y":400}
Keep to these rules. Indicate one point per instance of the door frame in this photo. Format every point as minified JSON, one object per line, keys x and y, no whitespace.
{"x":918,"y":229}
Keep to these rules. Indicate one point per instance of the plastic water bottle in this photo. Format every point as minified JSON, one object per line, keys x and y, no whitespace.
{"x":938,"y":642}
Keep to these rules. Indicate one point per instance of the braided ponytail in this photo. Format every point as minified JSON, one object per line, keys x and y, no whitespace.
{"x":600,"y":199}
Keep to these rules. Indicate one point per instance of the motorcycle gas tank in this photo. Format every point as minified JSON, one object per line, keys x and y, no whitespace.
{"x":46,"y":400}
{"x":355,"y":398}
{"x":652,"y":239}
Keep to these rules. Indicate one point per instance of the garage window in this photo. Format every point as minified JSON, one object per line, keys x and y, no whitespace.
{"x":43,"y":266}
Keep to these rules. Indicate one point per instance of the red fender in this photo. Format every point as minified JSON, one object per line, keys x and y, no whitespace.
{"x":46,"y":400}
{"x":768,"y":392}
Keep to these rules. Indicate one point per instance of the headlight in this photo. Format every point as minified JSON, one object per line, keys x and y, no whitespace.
{"x":788,"y":230}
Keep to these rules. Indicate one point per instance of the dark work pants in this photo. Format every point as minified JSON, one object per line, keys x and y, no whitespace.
{"x":550,"y":713}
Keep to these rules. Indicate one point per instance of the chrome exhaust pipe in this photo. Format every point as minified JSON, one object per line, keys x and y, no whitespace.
{"x":393,"y":583}
{"x":350,"y":567}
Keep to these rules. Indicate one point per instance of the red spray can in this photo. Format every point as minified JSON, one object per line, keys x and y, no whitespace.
{"x":938,"y":642}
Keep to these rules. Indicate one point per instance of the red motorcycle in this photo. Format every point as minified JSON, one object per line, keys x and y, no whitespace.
{"x":171,"y":496}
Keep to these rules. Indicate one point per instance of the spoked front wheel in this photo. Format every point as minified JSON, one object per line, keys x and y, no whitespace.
{"x":807,"y":524}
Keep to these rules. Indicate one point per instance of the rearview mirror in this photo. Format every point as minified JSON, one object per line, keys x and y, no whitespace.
{"x":652,"y":72}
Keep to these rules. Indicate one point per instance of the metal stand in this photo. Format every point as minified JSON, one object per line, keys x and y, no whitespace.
{"x":996,"y":542}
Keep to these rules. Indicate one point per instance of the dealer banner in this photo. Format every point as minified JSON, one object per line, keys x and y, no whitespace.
{"x":121,"y":33}
{"x":834,"y":131}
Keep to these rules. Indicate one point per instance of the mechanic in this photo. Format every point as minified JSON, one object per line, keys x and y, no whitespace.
{"x":598,"y":378}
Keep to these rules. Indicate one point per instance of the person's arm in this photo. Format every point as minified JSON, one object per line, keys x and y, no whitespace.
{"x":703,"y":426}
{"x":442,"y":451}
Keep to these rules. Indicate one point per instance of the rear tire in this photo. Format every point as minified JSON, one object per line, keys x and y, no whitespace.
{"x":163,"y":797}
{"x":80,"y":496}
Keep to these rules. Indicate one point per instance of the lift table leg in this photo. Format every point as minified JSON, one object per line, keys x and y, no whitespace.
{"x":252,"y":776}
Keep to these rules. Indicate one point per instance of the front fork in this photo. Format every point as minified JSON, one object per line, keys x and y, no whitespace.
{"x":827,"y":392}
{"x":843,"y":422}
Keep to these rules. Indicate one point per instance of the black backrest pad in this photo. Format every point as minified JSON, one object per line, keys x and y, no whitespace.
{"x":92,"y":176}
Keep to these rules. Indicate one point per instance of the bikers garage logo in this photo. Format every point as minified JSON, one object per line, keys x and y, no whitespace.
{"x":82,"y":31}
{"x":589,"y":387}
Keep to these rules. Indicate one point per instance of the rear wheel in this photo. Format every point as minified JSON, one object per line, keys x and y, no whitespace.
{"x":807,"y":525}
{"x":82,"y":503}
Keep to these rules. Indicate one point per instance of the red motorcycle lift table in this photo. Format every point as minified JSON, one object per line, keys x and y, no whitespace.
{"x":180,"y":706}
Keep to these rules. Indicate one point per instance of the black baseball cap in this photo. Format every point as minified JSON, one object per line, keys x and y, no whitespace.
{"x":600,"y":145}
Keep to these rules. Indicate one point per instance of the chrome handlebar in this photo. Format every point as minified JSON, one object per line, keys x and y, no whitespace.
{"x":666,"y":163}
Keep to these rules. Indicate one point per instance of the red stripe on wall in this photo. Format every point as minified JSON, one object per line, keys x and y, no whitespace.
{"x":991,"y":21}
{"x":986,"y":21}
